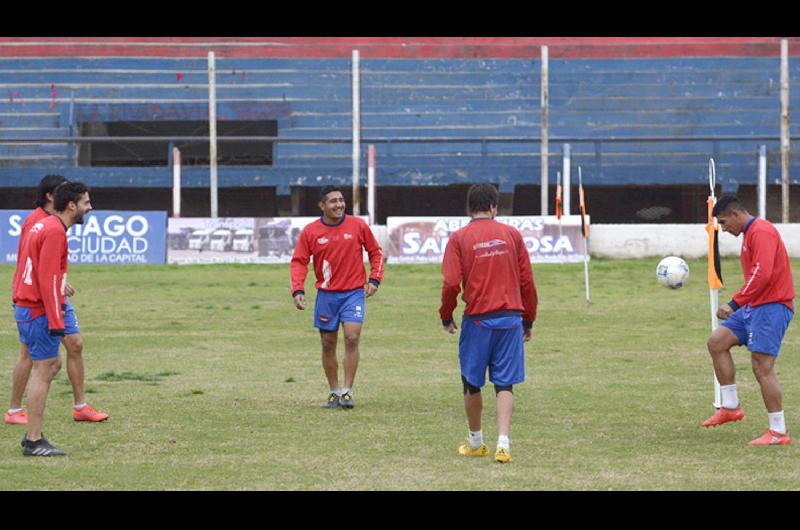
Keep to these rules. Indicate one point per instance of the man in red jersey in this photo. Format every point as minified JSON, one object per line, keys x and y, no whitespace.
{"x":72,"y":340}
{"x":40,"y":300}
{"x":337,"y":242}
{"x":492,"y":263}
{"x":757,"y":316}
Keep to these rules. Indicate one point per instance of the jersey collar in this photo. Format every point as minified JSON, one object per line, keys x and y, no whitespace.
{"x":322,"y":218}
{"x":748,"y":225}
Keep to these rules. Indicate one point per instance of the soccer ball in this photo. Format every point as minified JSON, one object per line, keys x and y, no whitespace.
{"x":672,"y":272}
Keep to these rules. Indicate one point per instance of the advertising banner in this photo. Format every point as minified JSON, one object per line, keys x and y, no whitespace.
{"x":106,"y":237}
{"x":233,"y":239}
{"x":423,"y":239}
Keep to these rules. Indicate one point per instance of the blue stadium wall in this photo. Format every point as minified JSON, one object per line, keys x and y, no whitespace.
{"x":599,"y":90}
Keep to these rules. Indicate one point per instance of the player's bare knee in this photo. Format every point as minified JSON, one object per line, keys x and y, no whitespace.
{"x":351,"y":340}
{"x":74,"y":344}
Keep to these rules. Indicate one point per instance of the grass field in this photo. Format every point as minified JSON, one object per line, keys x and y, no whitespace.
{"x":213,"y":381}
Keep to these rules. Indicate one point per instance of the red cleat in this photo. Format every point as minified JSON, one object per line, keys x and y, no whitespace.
{"x":724,"y":415}
{"x":772,"y":438}
{"x":17,"y":418}
{"x":88,"y":413}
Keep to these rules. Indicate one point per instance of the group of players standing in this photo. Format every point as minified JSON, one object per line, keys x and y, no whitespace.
{"x":486,"y":259}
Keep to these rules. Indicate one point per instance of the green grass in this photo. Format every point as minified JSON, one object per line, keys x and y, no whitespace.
{"x":213,"y":381}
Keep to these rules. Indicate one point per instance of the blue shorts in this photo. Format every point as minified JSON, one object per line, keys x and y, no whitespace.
{"x":34,"y":333}
{"x":333,"y":307}
{"x":760,"y":328}
{"x":70,"y":320}
{"x":496,"y":344}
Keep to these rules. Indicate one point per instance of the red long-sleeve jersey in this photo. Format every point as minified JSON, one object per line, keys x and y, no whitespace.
{"x":766,"y":268}
{"x":491,"y":261}
{"x":338,"y":255}
{"x":42,"y":271}
{"x":37,"y":215}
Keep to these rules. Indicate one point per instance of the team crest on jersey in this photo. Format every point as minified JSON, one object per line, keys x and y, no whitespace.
{"x":348,"y":236}
{"x":322,"y":240}
{"x":35,"y":228}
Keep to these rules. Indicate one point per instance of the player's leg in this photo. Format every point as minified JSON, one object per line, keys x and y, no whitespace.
{"x":719,"y":346}
{"x":472,"y":356}
{"x":506,"y":368}
{"x":43,"y":350}
{"x":769,"y":323}
{"x":75,"y":369}
{"x":330,"y":364}
{"x":351,"y":314}
{"x":327,"y":322}
{"x":732,"y":332}
{"x":43,"y":373}
{"x":352,"y":336}
{"x":19,"y":380}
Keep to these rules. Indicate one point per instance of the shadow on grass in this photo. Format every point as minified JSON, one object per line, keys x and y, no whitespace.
{"x":131,"y":376}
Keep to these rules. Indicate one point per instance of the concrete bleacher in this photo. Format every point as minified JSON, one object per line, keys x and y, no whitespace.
{"x":601,"y":100}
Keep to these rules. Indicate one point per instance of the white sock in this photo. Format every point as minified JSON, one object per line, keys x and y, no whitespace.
{"x":777,"y":422}
{"x":13,"y":411}
{"x":336,"y":391}
{"x":475,"y":439}
{"x":730,"y":400}
{"x":79,"y":406}
{"x":502,"y":441}
{"x":347,"y":390}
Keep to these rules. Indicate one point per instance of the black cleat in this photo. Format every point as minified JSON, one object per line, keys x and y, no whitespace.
{"x":40,"y":447}
{"x":332,"y":402}
{"x":346,"y":400}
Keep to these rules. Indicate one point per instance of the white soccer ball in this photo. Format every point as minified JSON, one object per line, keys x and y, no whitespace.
{"x":672,"y":272}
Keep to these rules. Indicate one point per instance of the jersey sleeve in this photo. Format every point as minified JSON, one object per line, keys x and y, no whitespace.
{"x":375,"y":254}
{"x":527,"y":286}
{"x":299,"y":265}
{"x":453,"y":275}
{"x":759,"y":277}
{"x":51,"y":278}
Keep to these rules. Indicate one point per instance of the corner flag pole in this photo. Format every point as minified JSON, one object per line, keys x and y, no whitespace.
{"x":559,"y":205}
{"x":585,"y":231}
{"x":714,"y":269}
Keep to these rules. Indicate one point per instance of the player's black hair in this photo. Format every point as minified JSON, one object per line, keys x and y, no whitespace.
{"x":481,"y":198}
{"x":48,"y":184}
{"x":69,"y":191}
{"x":726,"y":203}
{"x":326,"y":190}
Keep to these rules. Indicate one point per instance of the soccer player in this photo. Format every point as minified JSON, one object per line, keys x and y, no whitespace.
{"x":491,"y":262}
{"x":757,"y":317}
{"x":40,"y":301}
{"x":71,"y":340}
{"x":337,"y":242}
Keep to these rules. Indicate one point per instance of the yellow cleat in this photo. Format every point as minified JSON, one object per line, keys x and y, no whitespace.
{"x":502,"y":455}
{"x":466,"y":450}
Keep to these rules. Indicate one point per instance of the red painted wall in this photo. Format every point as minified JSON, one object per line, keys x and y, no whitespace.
{"x":397,"y":47}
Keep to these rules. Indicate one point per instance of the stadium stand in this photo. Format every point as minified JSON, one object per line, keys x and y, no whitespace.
{"x":605,"y":94}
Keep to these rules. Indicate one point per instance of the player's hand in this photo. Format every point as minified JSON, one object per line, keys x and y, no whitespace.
{"x":69,"y":290}
{"x":451,"y":328}
{"x":300,"y":302}
{"x":527,"y":334}
{"x":370,"y":289}
{"x":724,"y":312}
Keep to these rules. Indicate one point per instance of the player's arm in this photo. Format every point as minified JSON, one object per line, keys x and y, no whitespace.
{"x":530,"y":299}
{"x":298,"y":270}
{"x":453,"y":274}
{"x":52,"y":280}
{"x":759,"y":277}
{"x":375,"y":254}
